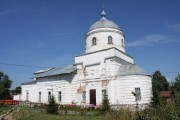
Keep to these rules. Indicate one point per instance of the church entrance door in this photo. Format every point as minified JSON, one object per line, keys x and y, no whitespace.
{"x":93,"y":96}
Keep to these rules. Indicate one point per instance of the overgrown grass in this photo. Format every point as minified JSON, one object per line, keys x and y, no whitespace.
{"x":41,"y":116}
{"x":165,"y":111}
{"x":3,"y":109}
{"x":122,"y":114}
{"x":25,"y":113}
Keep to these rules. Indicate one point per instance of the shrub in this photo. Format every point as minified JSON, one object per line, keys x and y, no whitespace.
{"x":52,"y":107}
{"x":105,"y":105}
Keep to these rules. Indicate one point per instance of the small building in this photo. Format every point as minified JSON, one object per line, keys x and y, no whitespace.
{"x":103,"y":69}
{"x":165,"y":94}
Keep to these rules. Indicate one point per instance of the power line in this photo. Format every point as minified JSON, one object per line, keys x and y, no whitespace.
{"x":23,"y":65}
{"x":19,"y":65}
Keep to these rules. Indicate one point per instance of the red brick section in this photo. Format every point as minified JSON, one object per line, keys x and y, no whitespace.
{"x":9,"y":102}
{"x":165,"y":94}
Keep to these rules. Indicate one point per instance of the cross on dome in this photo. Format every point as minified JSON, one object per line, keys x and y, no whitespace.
{"x":103,"y":14}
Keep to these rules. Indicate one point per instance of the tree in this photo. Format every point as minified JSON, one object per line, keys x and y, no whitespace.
{"x":16,"y":91}
{"x":52,"y":107}
{"x":105,"y":105}
{"x":177,"y":83}
{"x":159,"y":83}
{"x":5,"y":84}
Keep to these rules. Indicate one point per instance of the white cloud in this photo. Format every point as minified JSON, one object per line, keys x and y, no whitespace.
{"x":153,"y":39}
{"x":175,"y":27}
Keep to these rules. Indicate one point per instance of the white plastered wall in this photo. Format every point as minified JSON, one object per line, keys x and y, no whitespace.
{"x":101,"y":35}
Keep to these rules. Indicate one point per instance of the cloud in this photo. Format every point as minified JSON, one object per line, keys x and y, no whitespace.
{"x":175,"y":27}
{"x":152,"y":39}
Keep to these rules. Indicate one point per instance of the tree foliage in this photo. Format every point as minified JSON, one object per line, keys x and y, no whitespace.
{"x":5,"y":84}
{"x":105,"y":105}
{"x":175,"y":86}
{"x":16,"y":91}
{"x":177,"y":83}
{"x":159,"y":83}
{"x":52,"y":107}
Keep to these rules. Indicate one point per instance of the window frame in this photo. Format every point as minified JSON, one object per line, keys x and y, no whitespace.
{"x":110,"y":40}
{"x":49,"y":95}
{"x":122,"y":42}
{"x":59,"y":96}
{"x":104,"y":93}
{"x":94,"y":41}
{"x":40,"y":95}
{"x":27,"y":95}
{"x":83,"y":96}
{"x":138,"y":93}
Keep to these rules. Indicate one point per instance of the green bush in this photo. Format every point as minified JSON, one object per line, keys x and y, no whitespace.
{"x":105,"y":105}
{"x":52,"y":107}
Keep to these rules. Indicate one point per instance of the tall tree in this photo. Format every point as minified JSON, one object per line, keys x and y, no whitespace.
{"x":159,"y":83}
{"x":5,"y":84}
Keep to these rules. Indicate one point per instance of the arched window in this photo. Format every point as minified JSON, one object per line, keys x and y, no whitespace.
{"x":94,"y":41}
{"x":122,"y":42}
{"x":110,"y":41}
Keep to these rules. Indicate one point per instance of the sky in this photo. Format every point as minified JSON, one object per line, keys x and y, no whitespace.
{"x":35,"y":34}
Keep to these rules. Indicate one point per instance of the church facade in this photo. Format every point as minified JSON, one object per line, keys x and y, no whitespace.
{"x":105,"y":69}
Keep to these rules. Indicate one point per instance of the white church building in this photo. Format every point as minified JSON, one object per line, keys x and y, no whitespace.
{"x":104,"y":69}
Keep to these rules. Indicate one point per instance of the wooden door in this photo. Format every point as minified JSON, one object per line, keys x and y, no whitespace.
{"x":93,"y":96}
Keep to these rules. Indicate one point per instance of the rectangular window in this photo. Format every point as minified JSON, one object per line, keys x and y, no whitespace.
{"x":83,"y":96}
{"x":27,"y":95}
{"x":94,"y":41}
{"x":49,"y":95}
{"x":39,"y":96}
{"x":138,"y":94}
{"x":59,"y":96}
{"x":104,"y":94}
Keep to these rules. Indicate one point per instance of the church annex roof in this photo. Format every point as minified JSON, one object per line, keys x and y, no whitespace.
{"x":56,"y":71}
{"x":104,"y":23}
{"x":131,"y":69}
{"x":29,"y":83}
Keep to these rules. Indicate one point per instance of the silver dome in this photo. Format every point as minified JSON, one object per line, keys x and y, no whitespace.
{"x":104,"y":23}
{"x":131,"y":69}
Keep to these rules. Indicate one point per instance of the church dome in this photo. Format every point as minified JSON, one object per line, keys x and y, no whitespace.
{"x":104,"y":23}
{"x":104,"y":34}
{"x":131,"y":69}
